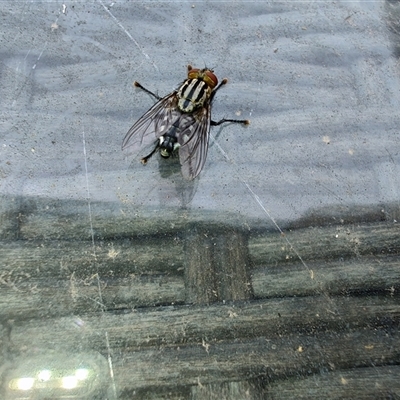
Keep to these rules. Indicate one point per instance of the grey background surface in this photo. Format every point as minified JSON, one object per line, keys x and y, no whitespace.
{"x":318,"y":80}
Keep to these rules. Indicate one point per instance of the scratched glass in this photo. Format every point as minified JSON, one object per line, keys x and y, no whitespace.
{"x":274,"y":273}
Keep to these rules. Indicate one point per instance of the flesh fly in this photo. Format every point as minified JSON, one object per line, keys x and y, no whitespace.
{"x":180,"y":122}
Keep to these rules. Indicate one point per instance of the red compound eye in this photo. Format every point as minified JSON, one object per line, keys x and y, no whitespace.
{"x":193,"y":73}
{"x":205,"y":75}
{"x":210,"y":78}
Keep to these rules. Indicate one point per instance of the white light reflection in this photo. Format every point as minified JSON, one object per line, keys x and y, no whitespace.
{"x":82,"y":374}
{"x":25,"y":383}
{"x":69,"y":382}
{"x":44,"y":375}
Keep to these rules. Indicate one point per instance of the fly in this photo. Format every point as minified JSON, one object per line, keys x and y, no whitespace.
{"x":180,"y":120}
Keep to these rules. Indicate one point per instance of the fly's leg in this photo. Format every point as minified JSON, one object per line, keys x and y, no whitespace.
{"x":236,"y":121}
{"x":137,"y":84}
{"x":145,"y":159}
{"x":214,"y":92}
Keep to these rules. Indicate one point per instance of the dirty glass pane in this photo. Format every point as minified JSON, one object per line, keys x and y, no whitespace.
{"x":274,"y":274}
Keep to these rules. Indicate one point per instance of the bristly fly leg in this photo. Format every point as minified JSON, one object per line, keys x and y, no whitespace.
{"x":137,"y":84}
{"x":146,"y":158}
{"x":214,"y":92}
{"x":237,"y":121}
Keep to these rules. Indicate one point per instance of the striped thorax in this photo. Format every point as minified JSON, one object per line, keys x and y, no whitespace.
{"x":196,"y":91}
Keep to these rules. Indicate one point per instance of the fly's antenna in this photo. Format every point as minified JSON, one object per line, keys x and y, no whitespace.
{"x":212,"y":69}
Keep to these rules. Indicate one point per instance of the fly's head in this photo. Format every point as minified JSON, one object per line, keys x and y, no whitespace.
{"x":206,"y":75}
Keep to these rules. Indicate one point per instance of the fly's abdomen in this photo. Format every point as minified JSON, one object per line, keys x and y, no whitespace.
{"x":168,"y":145}
{"x":169,"y":141}
{"x":193,"y":94}
{"x":174,"y":137}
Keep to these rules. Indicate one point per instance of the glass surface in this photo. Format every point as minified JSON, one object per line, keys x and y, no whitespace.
{"x":274,"y":274}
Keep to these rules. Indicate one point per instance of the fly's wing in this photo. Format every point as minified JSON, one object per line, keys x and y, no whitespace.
{"x":193,"y":140}
{"x":153,"y":124}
